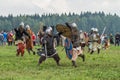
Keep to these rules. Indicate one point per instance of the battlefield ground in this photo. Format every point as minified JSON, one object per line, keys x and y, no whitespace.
{"x":103,"y":66}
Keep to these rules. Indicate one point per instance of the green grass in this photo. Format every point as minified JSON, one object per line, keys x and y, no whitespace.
{"x":104,"y":66}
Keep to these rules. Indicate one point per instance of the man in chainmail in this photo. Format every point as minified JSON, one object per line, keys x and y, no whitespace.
{"x":48,"y":45}
{"x":75,"y":39}
{"x":93,"y":41}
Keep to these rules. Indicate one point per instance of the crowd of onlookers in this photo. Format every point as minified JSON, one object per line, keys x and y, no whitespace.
{"x":8,"y":38}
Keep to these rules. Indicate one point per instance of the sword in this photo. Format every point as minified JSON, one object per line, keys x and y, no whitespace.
{"x":45,"y":48}
{"x":103,"y":32}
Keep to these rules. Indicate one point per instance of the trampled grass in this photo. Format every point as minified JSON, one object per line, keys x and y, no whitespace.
{"x":104,"y":66}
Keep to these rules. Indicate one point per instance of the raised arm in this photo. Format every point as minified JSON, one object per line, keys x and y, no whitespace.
{"x":26,"y":33}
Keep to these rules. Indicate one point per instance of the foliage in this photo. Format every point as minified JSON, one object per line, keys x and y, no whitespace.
{"x":85,"y":21}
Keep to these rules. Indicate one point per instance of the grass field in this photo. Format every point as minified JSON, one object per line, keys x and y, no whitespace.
{"x":104,"y":66}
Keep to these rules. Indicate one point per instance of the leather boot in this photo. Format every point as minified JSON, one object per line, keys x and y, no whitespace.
{"x":82,"y":56}
{"x":98,"y":51}
{"x":91,"y":52}
{"x":74,"y":64}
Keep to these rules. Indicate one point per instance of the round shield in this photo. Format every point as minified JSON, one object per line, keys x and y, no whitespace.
{"x":66,"y":31}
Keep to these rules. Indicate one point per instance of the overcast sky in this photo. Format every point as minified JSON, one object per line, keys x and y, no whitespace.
{"x":17,"y":7}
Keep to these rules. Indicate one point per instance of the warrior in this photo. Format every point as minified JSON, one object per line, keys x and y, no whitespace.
{"x":111,"y":39}
{"x":94,"y":41}
{"x":29,"y":41}
{"x":41,"y":34}
{"x":90,"y":39}
{"x":19,"y":39}
{"x":48,"y":47}
{"x":72,"y":41}
{"x":106,"y":42}
{"x":117,"y":39}
{"x":83,"y":39}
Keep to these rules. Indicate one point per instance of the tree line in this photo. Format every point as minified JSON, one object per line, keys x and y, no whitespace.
{"x":84,"y":20}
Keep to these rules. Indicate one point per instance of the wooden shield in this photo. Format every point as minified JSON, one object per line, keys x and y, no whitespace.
{"x":66,"y":31}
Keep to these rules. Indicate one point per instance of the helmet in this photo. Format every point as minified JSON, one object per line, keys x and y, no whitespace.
{"x":74,"y":25}
{"x":92,"y":29}
{"x":48,"y":31}
{"x":50,"y":28}
{"x":27,"y":27}
{"x":22,"y":24}
{"x":96,"y":30}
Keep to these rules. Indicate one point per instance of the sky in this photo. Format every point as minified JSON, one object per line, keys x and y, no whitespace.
{"x":17,"y":7}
